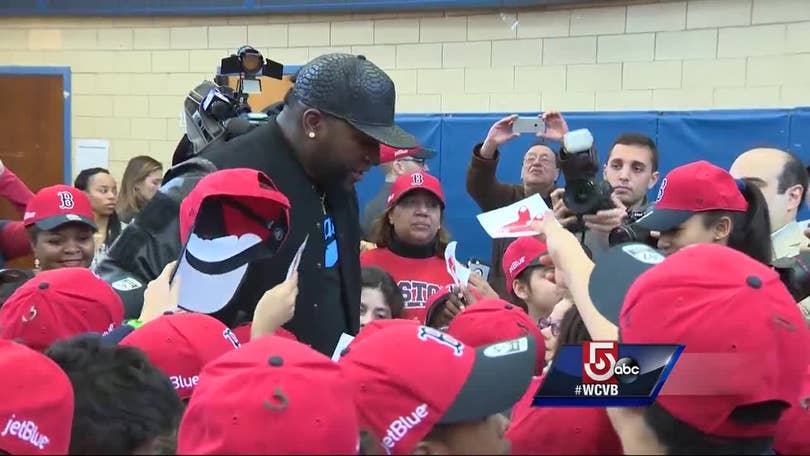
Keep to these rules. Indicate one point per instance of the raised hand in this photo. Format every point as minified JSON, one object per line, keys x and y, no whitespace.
{"x":500,"y":132}
{"x":556,"y":127}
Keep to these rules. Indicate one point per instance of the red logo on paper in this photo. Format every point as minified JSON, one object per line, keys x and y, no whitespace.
{"x":523,"y":222}
{"x":599,"y":361}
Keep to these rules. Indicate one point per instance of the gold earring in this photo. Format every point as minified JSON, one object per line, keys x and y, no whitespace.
{"x":311,"y":135}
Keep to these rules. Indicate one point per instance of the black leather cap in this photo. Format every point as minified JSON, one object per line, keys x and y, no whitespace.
{"x":354,"y":89}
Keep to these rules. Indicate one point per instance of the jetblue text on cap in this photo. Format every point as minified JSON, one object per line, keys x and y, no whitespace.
{"x":27,"y":431}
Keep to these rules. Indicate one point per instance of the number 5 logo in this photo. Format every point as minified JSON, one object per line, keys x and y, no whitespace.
{"x":598,"y":362}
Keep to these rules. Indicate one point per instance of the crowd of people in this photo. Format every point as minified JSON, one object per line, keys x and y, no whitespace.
{"x":238,"y":303}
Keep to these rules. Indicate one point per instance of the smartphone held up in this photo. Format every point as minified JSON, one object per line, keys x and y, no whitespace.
{"x":531,"y":125}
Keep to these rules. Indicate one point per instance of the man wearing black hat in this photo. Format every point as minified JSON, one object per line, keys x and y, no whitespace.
{"x":328,"y":134}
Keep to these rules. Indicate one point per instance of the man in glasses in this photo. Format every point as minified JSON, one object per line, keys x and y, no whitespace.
{"x":538,"y":174}
{"x":393,"y":163}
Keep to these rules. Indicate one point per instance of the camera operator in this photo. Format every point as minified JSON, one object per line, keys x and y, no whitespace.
{"x":783,"y":180}
{"x":538,"y":174}
{"x":631,"y":169}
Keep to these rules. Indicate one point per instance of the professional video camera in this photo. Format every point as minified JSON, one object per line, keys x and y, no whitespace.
{"x":585,"y":191}
{"x":795,"y":274}
{"x":631,"y":232}
{"x":248,"y":64}
{"x":216,"y":112}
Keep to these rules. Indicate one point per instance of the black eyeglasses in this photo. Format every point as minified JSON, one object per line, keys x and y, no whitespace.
{"x":550,"y":323}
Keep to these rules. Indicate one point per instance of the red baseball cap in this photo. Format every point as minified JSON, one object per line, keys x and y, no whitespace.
{"x":521,"y":253}
{"x":36,"y":413}
{"x":56,"y":205}
{"x":717,"y":301}
{"x":435,"y":302}
{"x":231,"y":218}
{"x":560,"y":430}
{"x":181,"y":344}
{"x":389,"y":154}
{"x":414,"y":181}
{"x":243,"y":333}
{"x":376,"y":326}
{"x":791,"y":432}
{"x":58,"y":304}
{"x":409,"y":378}
{"x":695,"y":187}
{"x":495,"y":320}
{"x":271,"y":396}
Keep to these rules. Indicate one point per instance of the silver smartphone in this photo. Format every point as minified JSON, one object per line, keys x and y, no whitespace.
{"x":532,"y":125}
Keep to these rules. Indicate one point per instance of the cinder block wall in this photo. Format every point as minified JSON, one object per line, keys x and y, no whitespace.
{"x":130,"y":74}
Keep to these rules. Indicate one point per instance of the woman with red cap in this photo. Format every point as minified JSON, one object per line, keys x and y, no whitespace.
{"x":411,"y":240}
{"x":702,"y":203}
{"x":60,"y":223}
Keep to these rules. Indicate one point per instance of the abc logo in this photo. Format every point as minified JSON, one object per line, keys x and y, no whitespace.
{"x":626,"y":370}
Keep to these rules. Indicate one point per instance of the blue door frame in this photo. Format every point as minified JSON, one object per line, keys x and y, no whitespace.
{"x":63,"y":71}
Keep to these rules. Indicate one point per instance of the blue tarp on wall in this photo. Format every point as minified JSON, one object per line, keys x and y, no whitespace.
{"x":682,"y":137}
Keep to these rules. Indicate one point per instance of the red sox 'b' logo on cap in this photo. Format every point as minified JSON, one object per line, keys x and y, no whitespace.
{"x":661,"y":189}
{"x":430,"y":334}
{"x":417,"y":179}
{"x":66,"y":200}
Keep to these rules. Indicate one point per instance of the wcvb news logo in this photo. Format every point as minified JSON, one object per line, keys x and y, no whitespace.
{"x":601,"y":364}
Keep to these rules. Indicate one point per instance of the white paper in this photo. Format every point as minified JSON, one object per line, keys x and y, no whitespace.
{"x":514,"y":220}
{"x":91,"y":153}
{"x":297,"y":258}
{"x":459,"y":272}
{"x":343,"y":342}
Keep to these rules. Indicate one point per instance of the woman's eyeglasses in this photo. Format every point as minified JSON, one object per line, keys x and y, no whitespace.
{"x":550,"y":323}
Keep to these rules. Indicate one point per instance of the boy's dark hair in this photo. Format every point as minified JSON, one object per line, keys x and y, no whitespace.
{"x":122,"y":401}
{"x":680,"y":438}
{"x":374,"y":277}
{"x":524,"y":277}
{"x":637,"y":139}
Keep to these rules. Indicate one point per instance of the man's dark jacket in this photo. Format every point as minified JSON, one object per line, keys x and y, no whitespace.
{"x":152,"y":240}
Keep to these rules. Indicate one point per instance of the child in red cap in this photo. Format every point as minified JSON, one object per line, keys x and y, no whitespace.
{"x":58,"y":304}
{"x":701,"y":202}
{"x":526,"y":278}
{"x":36,"y":403}
{"x":746,"y":351}
{"x":271,"y":396}
{"x":420,"y":390}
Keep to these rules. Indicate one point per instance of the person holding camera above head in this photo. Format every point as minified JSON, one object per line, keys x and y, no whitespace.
{"x":538,"y":174}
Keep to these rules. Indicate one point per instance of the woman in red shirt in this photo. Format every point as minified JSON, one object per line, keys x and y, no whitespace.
{"x":411,"y":241}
